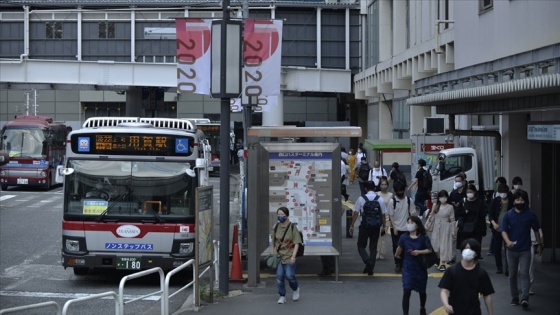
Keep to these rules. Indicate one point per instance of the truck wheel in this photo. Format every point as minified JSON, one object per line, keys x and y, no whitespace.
{"x":80,"y":271}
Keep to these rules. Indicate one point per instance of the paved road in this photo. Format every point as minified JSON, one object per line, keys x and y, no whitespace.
{"x":356,"y":293}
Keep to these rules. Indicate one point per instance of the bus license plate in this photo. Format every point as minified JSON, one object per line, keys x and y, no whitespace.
{"x":22,"y":181}
{"x":130,"y":263}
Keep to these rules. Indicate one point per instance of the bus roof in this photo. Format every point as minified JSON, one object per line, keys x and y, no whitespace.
{"x":168,"y":123}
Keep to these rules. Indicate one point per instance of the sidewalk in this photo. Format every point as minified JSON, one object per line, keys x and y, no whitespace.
{"x":381,"y":293}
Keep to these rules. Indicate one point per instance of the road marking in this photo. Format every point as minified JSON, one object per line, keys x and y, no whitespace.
{"x":6,"y":197}
{"x":52,"y":295}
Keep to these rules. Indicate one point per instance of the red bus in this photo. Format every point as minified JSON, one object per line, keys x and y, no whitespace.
{"x":36,"y":146}
{"x":129,"y":194}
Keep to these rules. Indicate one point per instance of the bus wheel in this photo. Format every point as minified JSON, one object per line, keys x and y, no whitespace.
{"x":81,"y":271}
{"x":4,"y":187}
{"x":48,"y":185}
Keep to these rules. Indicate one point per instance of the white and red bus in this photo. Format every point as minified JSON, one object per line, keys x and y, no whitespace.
{"x":129,"y":193}
{"x":36,"y":146}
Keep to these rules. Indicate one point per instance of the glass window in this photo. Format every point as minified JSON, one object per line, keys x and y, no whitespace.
{"x":106,"y":29}
{"x":450,"y":166}
{"x":23,"y":142}
{"x":485,"y":5}
{"x":53,"y":30}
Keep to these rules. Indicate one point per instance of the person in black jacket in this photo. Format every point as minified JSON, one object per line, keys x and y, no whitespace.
{"x":498,"y":208}
{"x":473,"y":215}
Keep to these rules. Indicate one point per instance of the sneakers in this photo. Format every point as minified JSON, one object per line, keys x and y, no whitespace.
{"x":490,"y":253}
{"x":500,"y":271}
{"x":531,"y":292}
{"x":442,"y":268}
{"x":295,"y":295}
{"x":398,"y":268}
{"x":422,"y":311}
{"x":525,"y":304}
{"x":515,"y":301}
{"x":282,"y":300}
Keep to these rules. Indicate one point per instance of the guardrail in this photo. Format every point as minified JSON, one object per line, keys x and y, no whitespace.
{"x":92,"y":297}
{"x":164,"y":304}
{"x":30,"y":307}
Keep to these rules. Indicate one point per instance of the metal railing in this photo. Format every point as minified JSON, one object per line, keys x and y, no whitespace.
{"x":92,"y":297}
{"x":31,"y":306}
{"x":164,"y":304}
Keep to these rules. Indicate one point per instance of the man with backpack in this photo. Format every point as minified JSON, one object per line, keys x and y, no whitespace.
{"x":396,"y":175}
{"x":423,"y":180}
{"x":362,"y":169}
{"x":371,"y":209}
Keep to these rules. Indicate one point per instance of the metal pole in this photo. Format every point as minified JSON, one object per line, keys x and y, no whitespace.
{"x":247,"y":122}
{"x":224,"y":158}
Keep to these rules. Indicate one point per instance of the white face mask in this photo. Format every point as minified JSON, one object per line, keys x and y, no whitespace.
{"x":468,"y":254}
{"x":470,"y":195}
{"x":410,"y":227}
{"x":516,"y":186}
{"x":383,"y":187}
{"x":443,"y":200}
{"x":503,"y":195}
{"x":458,"y":185}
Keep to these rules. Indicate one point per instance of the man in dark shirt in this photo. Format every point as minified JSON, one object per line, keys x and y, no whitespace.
{"x":422,"y":193}
{"x":462,"y":282}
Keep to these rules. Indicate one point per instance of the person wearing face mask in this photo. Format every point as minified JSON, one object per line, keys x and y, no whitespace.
{"x":400,"y":208}
{"x":443,"y":231}
{"x":516,"y":230}
{"x":498,"y":208}
{"x":362,"y":169}
{"x":474,"y":223}
{"x":376,"y":173}
{"x":462,"y":283}
{"x":517,"y":184}
{"x":458,"y":195}
{"x":286,"y":238}
{"x":414,"y":276}
{"x":386,"y":196}
{"x":499,"y":180}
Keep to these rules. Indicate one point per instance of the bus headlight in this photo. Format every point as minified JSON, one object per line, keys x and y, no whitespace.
{"x":186,"y":248}
{"x":3,"y":173}
{"x":72,"y":245}
{"x":42,"y":174}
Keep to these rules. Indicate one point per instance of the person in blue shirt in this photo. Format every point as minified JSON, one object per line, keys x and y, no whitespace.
{"x":516,"y":231}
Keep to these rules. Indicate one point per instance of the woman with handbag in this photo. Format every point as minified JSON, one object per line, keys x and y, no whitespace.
{"x":473,"y":217}
{"x":443,"y":231}
{"x":415,"y":244}
{"x":285,"y":241}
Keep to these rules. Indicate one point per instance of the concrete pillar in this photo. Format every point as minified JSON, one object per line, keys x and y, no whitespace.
{"x":134,"y":102}
{"x":275,"y":115}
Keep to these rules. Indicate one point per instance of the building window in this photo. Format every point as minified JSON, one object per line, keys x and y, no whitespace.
{"x":106,"y":29}
{"x":53,"y":30}
{"x":485,"y":5}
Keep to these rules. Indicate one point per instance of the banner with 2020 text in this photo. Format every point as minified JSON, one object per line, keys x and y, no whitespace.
{"x":193,"y":55}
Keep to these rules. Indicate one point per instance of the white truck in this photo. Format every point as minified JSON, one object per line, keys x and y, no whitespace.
{"x":447,"y":156}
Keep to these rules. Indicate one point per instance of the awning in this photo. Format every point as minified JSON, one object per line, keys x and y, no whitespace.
{"x":384,"y":144}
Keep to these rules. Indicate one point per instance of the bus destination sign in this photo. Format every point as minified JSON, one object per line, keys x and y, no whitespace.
{"x":131,"y":144}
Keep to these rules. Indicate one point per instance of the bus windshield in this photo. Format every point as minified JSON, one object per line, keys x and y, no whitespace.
{"x":132,"y":191}
{"x":23,"y":142}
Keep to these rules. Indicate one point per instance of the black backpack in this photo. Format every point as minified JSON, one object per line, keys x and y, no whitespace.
{"x":399,"y":177}
{"x":371,"y":213}
{"x":427,"y":180}
{"x":363,"y":172}
{"x":395,"y":204}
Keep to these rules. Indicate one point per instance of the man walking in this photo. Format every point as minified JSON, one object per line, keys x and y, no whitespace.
{"x":400,"y":208}
{"x":372,"y":211}
{"x":363,"y":169}
{"x":516,"y":231}
{"x":422,"y":193}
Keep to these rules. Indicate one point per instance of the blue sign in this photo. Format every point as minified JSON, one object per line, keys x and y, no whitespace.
{"x":84,"y":144}
{"x":182,"y":145}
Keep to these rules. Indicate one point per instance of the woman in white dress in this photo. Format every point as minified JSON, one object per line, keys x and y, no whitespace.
{"x":444,"y":229}
{"x":387,"y":197}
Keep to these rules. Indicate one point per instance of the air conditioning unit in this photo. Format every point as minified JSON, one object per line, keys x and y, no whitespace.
{"x":434,"y":125}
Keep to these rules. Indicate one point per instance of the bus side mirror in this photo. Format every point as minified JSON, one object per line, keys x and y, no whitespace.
{"x":62,"y":171}
{"x":4,"y":158}
{"x":8,"y":146}
{"x":45,"y":148}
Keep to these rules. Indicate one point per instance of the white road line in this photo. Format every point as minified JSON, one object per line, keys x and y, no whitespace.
{"x":53,"y":295}
{"x":6,"y":197}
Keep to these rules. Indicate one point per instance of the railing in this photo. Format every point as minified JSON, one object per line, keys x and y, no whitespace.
{"x":31,"y":306}
{"x":93,"y":297}
{"x":164,"y":304}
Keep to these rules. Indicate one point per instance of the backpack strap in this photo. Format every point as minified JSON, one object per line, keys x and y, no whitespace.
{"x":284,"y":235}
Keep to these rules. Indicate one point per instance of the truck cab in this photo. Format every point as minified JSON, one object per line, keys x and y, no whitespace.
{"x":450,"y":163}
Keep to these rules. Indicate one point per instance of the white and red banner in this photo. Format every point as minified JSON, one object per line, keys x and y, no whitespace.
{"x":262,"y":57}
{"x":193,"y":55}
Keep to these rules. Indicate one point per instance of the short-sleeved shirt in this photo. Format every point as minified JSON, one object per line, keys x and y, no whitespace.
{"x":464,"y":286}
{"x":518,"y":227}
{"x":400,"y":211}
{"x":420,"y":177}
{"x":370,"y":195}
{"x":290,"y":240}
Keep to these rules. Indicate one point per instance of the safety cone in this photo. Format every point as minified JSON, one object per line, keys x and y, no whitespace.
{"x":235,"y":237}
{"x":236,"y":275}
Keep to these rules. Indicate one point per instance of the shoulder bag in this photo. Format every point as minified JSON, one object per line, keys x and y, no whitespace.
{"x":429,"y":260}
{"x":429,"y":225}
{"x":273,"y":259}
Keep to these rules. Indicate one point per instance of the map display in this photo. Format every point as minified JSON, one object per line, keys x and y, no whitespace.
{"x":302,"y":182}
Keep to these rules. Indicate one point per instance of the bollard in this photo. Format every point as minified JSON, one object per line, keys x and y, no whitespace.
{"x":349,"y":214}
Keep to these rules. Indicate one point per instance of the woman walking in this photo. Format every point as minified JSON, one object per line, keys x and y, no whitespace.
{"x":387,"y":197}
{"x":444,"y":229}
{"x":414,"y":275}
{"x":352,"y":164}
{"x":474,"y":222}
{"x":286,"y":239}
